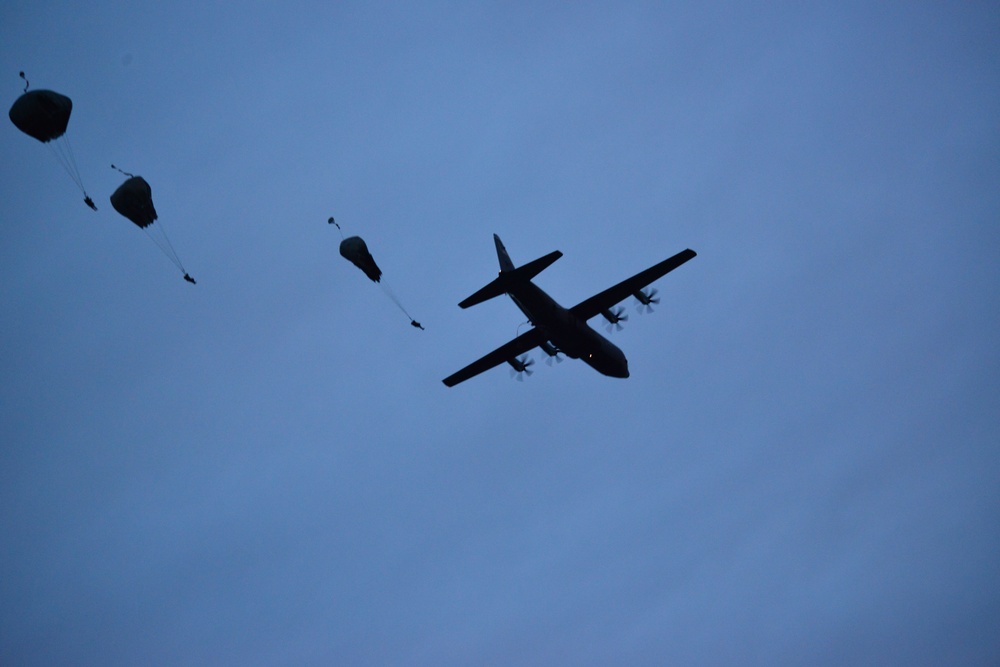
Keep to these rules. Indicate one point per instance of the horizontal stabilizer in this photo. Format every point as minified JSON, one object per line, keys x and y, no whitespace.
{"x":533,"y":268}
{"x":495,"y":288}
{"x":507,"y":279}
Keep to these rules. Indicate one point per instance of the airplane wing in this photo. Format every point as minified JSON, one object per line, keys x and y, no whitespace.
{"x":609,"y":297}
{"x":509,"y":350}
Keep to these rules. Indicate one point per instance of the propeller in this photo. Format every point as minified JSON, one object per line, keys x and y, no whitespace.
{"x":615,"y":319}
{"x":646,"y":300}
{"x":520,"y":367}
{"x":552,"y":351}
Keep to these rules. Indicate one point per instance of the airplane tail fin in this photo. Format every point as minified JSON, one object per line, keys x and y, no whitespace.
{"x":509,"y":276}
{"x":505,"y":263}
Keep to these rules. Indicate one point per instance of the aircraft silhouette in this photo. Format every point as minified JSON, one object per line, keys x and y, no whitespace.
{"x":557,"y":329}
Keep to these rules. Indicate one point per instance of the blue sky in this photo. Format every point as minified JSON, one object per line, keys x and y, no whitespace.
{"x":266,"y":469}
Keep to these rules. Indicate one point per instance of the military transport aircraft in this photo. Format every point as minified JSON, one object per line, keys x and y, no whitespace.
{"x":557,"y":329}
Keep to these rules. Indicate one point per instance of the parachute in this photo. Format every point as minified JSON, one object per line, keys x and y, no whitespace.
{"x":355,"y":250}
{"x":41,"y":114}
{"x":44,"y":115}
{"x":134,"y":200}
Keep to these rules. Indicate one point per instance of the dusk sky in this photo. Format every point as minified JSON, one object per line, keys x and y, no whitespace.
{"x":266,"y":469}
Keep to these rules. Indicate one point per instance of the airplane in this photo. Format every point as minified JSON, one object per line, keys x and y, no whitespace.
{"x":556,"y":329}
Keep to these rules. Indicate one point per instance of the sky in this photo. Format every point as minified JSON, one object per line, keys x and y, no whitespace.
{"x":265,"y":468}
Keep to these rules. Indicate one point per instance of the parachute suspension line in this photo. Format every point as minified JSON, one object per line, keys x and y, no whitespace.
{"x":63,"y":153}
{"x":158,"y":235}
{"x":59,"y":153}
{"x":331,"y":221}
{"x":392,"y":295}
{"x":67,"y":147}
{"x":26,"y":84}
{"x":119,"y":170}
{"x":72,"y":160}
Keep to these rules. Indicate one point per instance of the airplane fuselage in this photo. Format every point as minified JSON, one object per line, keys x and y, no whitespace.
{"x":570,"y":334}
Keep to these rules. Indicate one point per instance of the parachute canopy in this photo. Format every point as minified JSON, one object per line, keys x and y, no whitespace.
{"x":353,"y":249}
{"x":42,"y":114}
{"x":134,"y":200}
